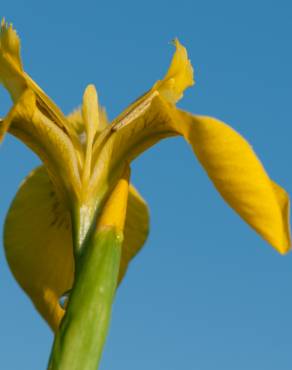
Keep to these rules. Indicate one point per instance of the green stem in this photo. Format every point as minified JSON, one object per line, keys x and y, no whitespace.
{"x":78,"y":344}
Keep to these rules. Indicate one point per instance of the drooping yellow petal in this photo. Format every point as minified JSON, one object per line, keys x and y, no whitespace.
{"x":239,"y":176}
{"x":228,"y":159}
{"x":38,"y":245}
{"x":38,"y":242}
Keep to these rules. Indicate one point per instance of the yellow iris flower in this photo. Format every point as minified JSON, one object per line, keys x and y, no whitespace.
{"x":84,"y":159}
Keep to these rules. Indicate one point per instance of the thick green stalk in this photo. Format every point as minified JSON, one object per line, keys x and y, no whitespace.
{"x":78,"y":344}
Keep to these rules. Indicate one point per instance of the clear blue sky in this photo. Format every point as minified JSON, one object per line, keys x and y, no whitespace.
{"x":206,"y":292}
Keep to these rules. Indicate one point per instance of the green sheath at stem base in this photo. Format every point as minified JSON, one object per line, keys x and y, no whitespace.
{"x":78,"y":344}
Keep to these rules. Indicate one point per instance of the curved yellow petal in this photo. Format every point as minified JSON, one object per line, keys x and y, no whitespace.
{"x":239,"y":176}
{"x":38,"y":243}
{"x":227,"y":157}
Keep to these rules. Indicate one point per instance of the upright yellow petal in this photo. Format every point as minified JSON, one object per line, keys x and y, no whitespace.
{"x":93,"y":124}
{"x":38,"y":242}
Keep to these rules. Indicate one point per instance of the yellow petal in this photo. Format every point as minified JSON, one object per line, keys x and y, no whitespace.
{"x":93,"y":125}
{"x":227,"y":157}
{"x":93,"y":117}
{"x":239,"y":176}
{"x":90,"y":112}
{"x":38,"y":244}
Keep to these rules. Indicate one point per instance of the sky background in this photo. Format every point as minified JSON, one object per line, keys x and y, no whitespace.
{"x":206,"y":292}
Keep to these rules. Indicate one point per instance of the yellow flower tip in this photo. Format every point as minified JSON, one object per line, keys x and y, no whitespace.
{"x":114,"y":212}
{"x":11,"y":72}
{"x":285,"y":246}
{"x":91,"y":90}
{"x":284,"y":250}
{"x":279,"y":237}
{"x":90,"y":110}
{"x":179,"y":76}
{"x":10,"y":43}
{"x":90,"y":95}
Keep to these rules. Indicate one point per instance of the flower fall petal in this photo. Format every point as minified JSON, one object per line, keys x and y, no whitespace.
{"x":38,"y":242}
